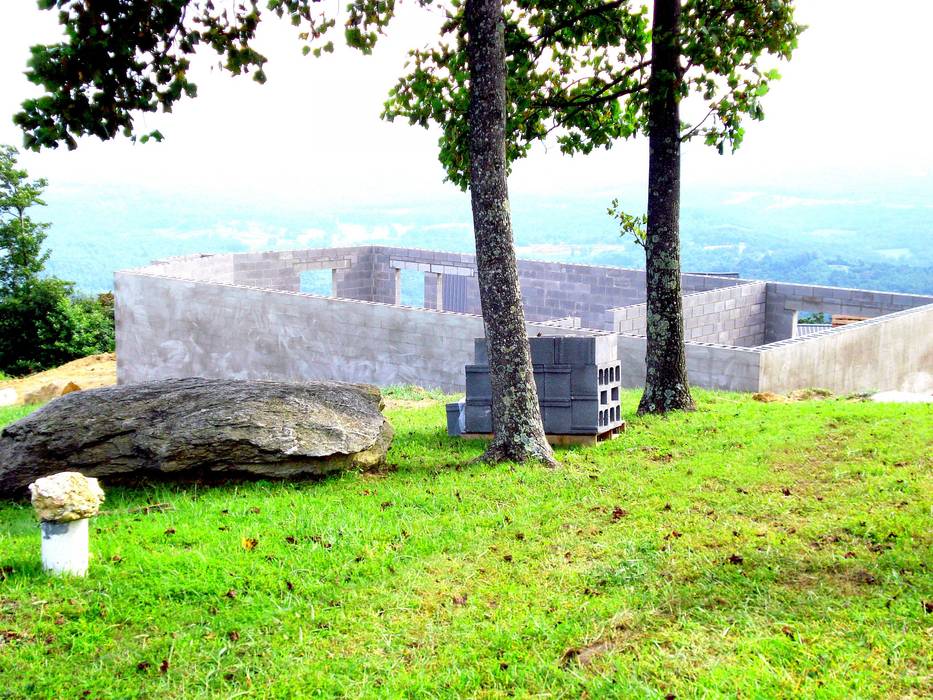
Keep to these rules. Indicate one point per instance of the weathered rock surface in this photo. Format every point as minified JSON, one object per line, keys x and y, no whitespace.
{"x":66,"y":496}
{"x":188,"y":427}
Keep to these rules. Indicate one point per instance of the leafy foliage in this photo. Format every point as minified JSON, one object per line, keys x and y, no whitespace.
{"x":814,"y":317}
{"x":577,"y":69}
{"x":41,"y":326}
{"x":121,"y":58}
{"x":629,"y":225}
{"x":36,"y":327}
{"x":21,"y":256}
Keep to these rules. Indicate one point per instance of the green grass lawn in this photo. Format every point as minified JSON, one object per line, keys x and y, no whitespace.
{"x":762,"y":550}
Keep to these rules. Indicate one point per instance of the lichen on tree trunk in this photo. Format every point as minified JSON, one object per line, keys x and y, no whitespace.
{"x":516,"y":416}
{"x":666,"y":385}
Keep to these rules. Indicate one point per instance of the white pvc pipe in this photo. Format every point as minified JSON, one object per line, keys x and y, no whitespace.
{"x":65,"y":547}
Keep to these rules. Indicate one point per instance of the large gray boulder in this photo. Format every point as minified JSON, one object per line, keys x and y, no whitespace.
{"x":194,"y":427}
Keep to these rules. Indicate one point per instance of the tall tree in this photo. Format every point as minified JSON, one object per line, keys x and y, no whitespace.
{"x":667,"y":386}
{"x":127,"y":56}
{"x":21,"y":238}
{"x":576,"y":69}
{"x":593,"y":71}
{"x":41,"y":326}
{"x":519,"y":433}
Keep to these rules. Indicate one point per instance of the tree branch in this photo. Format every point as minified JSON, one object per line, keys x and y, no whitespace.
{"x":599,"y":96}
{"x":590,"y":12}
{"x":690,"y":133}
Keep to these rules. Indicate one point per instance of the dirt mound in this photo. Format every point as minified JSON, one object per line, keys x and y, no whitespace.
{"x":89,"y":372}
{"x":811,"y":394}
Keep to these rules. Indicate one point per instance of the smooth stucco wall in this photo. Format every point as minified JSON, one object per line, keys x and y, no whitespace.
{"x":708,"y":366}
{"x":890,"y":353}
{"x":785,"y":300}
{"x":178,"y":328}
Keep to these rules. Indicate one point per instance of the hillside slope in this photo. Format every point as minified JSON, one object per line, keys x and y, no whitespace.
{"x":754,"y":549}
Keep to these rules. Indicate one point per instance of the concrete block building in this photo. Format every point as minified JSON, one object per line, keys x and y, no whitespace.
{"x":244,"y":315}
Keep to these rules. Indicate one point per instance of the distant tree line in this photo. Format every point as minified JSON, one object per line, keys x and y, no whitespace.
{"x":43,"y":322}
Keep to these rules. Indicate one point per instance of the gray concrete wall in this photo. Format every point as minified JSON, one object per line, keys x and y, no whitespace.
{"x":708,"y":366}
{"x":549,"y":289}
{"x":206,"y":268}
{"x":282,"y":269}
{"x":240,"y":315}
{"x":785,"y":300}
{"x":177,"y":328}
{"x":276,"y":269}
{"x":726,"y":316}
{"x":890,"y":353}
{"x":368,"y":273}
{"x":565,"y":322}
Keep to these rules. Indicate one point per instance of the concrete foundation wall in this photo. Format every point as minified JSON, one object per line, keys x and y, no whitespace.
{"x":180,"y":328}
{"x":708,"y":366}
{"x":890,"y":353}
{"x":549,"y":289}
{"x":369,"y":273}
{"x":732,"y":316}
{"x":276,"y":270}
{"x":282,"y":270}
{"x":206,"y":268}
{"x":241,"y":315}
{"x":784,"y":301}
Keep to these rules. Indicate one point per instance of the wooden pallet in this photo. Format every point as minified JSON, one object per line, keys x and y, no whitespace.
{"x":843,"y":320}
{"x":561,"y":440}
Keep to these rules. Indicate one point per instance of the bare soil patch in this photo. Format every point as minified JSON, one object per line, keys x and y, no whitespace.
{"x":89,"y":372}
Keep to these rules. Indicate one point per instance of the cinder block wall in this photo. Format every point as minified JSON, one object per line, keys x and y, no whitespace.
{"x":727,"y":316}
{"x":179,"y":328}
{"x":237,"y":315}
{"x":276,"y":269}
{"x":784,"y":301}
{"x":368,"y":273}
{"x":207,"y":268}
{"x":282,"y":269}
{"x":890,"y":353}
{"x":709,"y":366}
{"x":549,"y":289}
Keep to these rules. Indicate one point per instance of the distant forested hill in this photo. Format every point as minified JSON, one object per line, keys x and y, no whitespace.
{"x":876,"y":242}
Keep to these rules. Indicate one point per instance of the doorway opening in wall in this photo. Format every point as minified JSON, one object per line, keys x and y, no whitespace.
{"x":809,"y":322}
{"x":319,"y":282}
{"x":412,"y":283}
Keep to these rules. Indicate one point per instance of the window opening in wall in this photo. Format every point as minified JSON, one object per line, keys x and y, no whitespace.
{"x":809,"y":322}
{"x":412,"y":282}
{"x":318,"y":282}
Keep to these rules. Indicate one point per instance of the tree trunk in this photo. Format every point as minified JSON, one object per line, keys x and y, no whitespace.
{"x":666,"y":384}
{"x":516,"y":417}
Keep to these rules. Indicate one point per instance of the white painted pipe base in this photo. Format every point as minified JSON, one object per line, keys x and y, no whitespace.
{"x":65,"y":547}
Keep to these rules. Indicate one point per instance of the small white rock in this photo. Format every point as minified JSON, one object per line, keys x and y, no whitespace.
{"x":65,"y":497}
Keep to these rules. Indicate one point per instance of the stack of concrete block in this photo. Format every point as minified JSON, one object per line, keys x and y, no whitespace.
{"x":578,"y":380}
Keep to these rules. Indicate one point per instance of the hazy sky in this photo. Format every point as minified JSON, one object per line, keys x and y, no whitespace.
{"x":852,"y":112}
